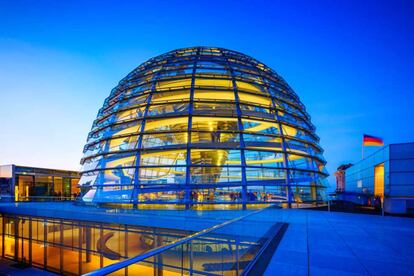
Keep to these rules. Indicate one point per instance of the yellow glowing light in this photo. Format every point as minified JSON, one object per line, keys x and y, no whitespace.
{"x":379,"y":180}
{"x":255,"y":99}
{"x":155,"y":124}
{"x":170,"y":96}
{"x":276,"y":140}
{"x":248,"y":86}
{"x":213,"y":95}
{"x":214,"y":83}
{"x":296,"y":151}
{"x":119,"y":162}
{"x":288,"y":130}
{"x":270,"y":148}
{"x":129,"y":130}
{"x":213,"y":119}
{"x":261,"y":66}
{"x":115,"y":143}
{"x":163,"y":153}
{"x":16,"y":193}
{"x":128,"y":114}
{"x":173,"y":84}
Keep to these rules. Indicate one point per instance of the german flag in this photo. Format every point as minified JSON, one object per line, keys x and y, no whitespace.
{"x":372,"y":141}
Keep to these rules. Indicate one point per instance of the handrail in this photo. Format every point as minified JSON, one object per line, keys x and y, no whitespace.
{"x":31,"y":198}
{"x":122,"y":264}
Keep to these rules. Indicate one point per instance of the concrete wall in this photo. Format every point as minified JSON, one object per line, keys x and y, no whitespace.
{"x":401,"y":172}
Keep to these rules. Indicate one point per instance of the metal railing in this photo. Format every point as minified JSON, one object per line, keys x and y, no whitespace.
{"x":242,"y":239}
{"x":9,"y":198}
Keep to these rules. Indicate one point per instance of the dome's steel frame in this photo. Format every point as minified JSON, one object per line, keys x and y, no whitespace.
{"x":289,"y":135}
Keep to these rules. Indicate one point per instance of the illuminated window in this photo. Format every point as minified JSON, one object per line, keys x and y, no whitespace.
{"x":246,"y":86}
{"x":213,"y":95}
{"x":264,"y":158}
{"x":172,"y":124}
{"x":379,"y":180}
{"x":215,"y":157}
{"x":176,"y":108}
{"x":163,"y":158}
{"x":226,"y":109}
{"x":179,"y":95}
{"x":171,"y":84}
{"x":164,"y":139}
{"x":217,"y":83}
{"x":120,"y":144}
{"x":162,"y":175}
{"x":255,"y":99}
{"x":215,"y":123}
{"x":214,"y":137}
{"x":208,"y":175}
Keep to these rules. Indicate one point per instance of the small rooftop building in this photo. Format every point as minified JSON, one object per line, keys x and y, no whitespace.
{"x":20,"y":183}
{"x":388,"y":173}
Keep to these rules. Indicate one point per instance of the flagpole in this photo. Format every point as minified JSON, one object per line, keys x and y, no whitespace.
{"x":362,"y":150}
{"x":362,"y":147}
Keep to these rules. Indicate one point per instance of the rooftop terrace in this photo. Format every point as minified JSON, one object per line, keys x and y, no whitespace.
{"x":334,"y":243}
{"x":316,"y":242}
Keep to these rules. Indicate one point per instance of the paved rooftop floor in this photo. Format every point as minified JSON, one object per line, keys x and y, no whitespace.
{"x":315,"y":243}
{"x":334,"y":243}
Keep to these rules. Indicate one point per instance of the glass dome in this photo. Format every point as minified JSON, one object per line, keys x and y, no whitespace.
{"x":202,"y":125}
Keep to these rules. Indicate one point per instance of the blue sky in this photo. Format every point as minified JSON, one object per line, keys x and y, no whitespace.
{"x":351,"y":63}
